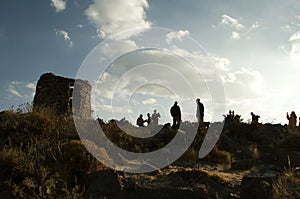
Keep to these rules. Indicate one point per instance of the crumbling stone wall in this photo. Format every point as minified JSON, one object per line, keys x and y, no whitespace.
{"x":54,"y":95}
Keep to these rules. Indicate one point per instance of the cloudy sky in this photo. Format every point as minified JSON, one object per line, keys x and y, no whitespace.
{"x":254,"y":45}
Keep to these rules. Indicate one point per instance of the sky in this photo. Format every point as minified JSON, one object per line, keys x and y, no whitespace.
{"x":253,"y":45}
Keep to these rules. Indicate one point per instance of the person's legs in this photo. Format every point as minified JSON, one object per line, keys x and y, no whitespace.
{"x":178,"y":120}
{"x":201,"y":119}
{"x":174,"y":122}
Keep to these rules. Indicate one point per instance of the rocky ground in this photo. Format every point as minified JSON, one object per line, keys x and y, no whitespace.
{"x":43,"y":157}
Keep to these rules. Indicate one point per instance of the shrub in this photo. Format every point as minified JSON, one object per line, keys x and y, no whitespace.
{"x":218,"y":156}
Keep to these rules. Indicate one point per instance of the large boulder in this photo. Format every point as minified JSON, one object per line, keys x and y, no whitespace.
{"x":259,"y":185}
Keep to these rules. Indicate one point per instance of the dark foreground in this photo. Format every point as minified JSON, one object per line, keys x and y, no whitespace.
{"x":43,"y":157}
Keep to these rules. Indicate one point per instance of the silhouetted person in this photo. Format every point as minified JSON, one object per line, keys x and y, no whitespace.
{"x":292,"y":118}
{"x":176,"y":114}
{"x":155,"y":117}
{"x":148,"y":120}
{"x":200,"y":111}
{"x":140,"y":121}
{"x":254,"y":118}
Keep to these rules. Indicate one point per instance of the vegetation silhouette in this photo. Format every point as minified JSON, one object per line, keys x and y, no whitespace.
{"x":42,"y":156}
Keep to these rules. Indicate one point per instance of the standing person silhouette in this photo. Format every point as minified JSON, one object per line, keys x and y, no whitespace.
{"x":140,"y":121}
{"x":148,"y":120}
{"x":292,"y":118}
{"x":155,"y":117}
{"x":200,"y":111}
{"x":176,"y":114}
{"x":254,"y":118}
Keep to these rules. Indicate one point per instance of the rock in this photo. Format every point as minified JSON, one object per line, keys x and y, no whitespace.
{"x":259,"y":186}
{"x":105,"y":184}
{"x":54,"y":95}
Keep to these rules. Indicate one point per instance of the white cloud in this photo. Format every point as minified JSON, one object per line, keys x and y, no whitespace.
{"x":149,"y":101}
{"x":31,"y":86}
{"x":239,"y":29}
{"x":244,"y":84}
{"x":227,"y":20}
{"x":59,"y":5}
{"x":12,"y":90}
{"x":114,"y":47}
{"x":114,"y":109}
{"x":116,"y":16}
{"x":235,"y":35}
{"x":286,"y":27}
{"x":179,"y":35}
{"x":222,"y":65}
{"x":65,"y":36}
{"x":123,"y":78}
{"x":284,"y":49}
{"x":295,"y":46}
{"x":22,"y":90}
{"x":255,"y":25}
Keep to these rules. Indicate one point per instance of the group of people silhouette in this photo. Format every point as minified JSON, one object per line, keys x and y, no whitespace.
{"x":175,"y":113}
{"x":150,"y":120}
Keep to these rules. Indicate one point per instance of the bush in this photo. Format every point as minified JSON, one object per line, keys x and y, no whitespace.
{"x":218,"y":156}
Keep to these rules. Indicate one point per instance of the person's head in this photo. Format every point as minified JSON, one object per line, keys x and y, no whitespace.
{"x":197,"y":100}
{"x":148,"y":114}
{"x":154,"y":110}
{"x":175,"y":103}
{"x":141,"y":115}
{"x":293,"y":113}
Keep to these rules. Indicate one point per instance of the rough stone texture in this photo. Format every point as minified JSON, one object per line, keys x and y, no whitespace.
{"x":82,"y":99}
{"x":54,"y":95}
{"x":259,"y":186}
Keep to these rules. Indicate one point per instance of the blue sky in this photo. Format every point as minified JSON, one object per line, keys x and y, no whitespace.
{"x":255,"y":44}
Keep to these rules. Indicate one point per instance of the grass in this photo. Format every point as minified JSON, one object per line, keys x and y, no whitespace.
{"x":41,"y":158}
{"x":41,"y":155}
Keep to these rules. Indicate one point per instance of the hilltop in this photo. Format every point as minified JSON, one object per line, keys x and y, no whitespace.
{"x":43,"y":157}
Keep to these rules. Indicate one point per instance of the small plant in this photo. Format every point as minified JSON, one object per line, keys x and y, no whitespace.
{"x":254,"y":151}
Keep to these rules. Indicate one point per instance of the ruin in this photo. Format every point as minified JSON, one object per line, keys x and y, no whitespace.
{"x":54,"y":95}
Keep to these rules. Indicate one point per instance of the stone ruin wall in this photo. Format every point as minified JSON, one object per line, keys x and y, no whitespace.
{"x":54,"y":96}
